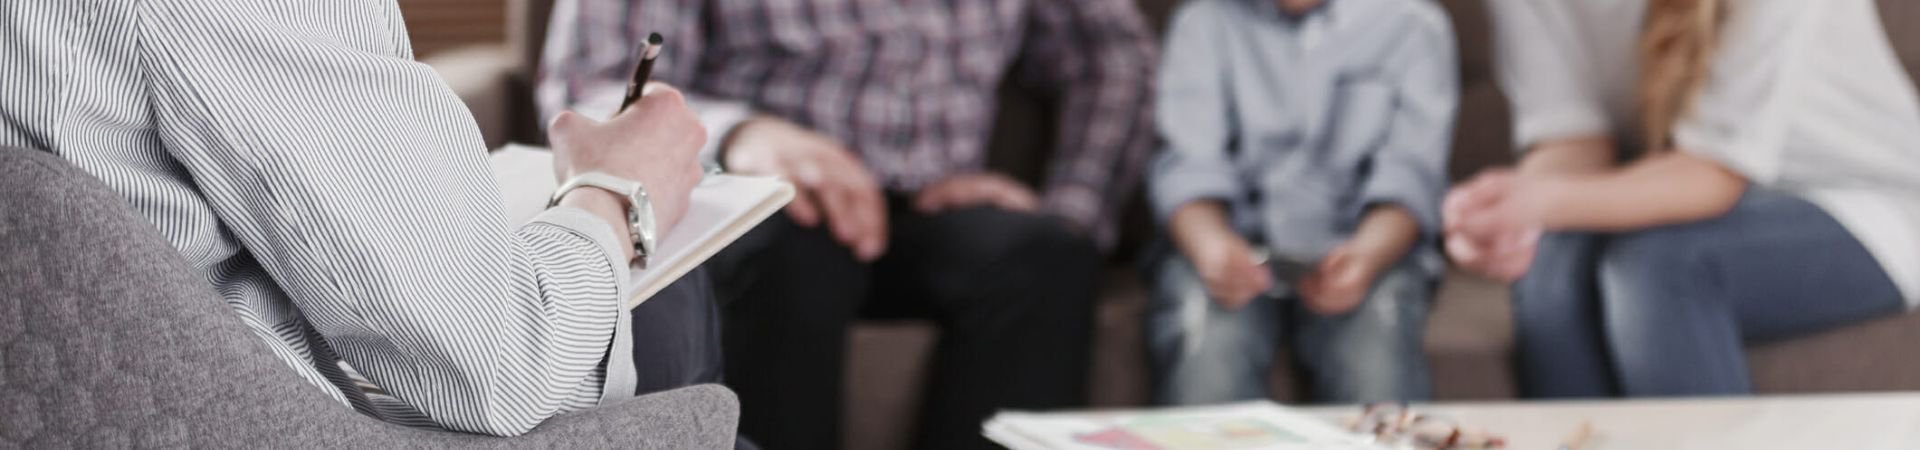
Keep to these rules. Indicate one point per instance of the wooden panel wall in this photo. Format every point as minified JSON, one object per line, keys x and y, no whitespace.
{"x":437,"y":25}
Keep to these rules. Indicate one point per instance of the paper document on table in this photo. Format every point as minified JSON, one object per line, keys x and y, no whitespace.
{"x":1251,"y":425}
{"x":722,"y":208}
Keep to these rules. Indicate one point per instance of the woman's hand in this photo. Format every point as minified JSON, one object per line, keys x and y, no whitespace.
{"x":1493,"y":224}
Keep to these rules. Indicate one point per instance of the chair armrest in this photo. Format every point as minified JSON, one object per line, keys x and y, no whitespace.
{"x":704,"y":416}
{"x":483,"y":77}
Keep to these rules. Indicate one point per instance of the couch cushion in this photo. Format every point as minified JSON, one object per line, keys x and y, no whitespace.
{"x":886,"y":371}
{"x":1874,"y":356}
{"x":1470,"y":340}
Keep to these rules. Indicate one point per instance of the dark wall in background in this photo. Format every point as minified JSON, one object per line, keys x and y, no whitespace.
{"x":437,"y":25}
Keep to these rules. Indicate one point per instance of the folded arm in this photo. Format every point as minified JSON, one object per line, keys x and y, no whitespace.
{"x":358,"y":181}
{"x":1660,"y":190}
{"x":1099,"y":57}
{"x":1409,"y":171}
{"x":1191,"y":116}
{"x":1732,"y":136}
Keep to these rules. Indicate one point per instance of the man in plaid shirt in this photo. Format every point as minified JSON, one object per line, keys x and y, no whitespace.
{"x":880,"y":110}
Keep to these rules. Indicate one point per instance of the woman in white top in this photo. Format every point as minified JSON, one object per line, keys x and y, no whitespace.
{"x":1700,"y":174}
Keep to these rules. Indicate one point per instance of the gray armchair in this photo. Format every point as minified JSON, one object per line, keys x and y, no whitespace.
{"x":108,"y":340}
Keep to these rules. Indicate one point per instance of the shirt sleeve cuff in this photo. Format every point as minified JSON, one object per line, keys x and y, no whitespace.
{"x":1752,"y":155}
{"x":1406,"y":188}
{"x":597,"y":230}
{"x":1169,"y":193}
{"x":621,"y":374}
{"x":1531,"y":128}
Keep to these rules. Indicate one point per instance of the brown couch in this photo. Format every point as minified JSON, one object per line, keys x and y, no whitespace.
{"x":1469,"y":335}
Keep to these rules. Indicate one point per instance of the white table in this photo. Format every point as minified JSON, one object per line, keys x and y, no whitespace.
{"x":1815,"y":422}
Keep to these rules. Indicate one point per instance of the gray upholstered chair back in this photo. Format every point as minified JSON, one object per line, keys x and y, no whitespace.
{"x":109,"y":340}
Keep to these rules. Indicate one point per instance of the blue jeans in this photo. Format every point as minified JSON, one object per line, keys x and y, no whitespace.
{"x":1203,"y":353}
{"x":1668,"y":311}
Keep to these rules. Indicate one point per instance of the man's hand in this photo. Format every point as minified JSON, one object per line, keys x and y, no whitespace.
{"x":656,"y":142}
{"x":961,"y":191}
{"x":1223,"y":259}
{"x":835,"y":186}
{"x":1492,"y":225}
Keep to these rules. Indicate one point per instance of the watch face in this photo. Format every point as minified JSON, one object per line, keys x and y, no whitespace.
{"x":641,"y":214}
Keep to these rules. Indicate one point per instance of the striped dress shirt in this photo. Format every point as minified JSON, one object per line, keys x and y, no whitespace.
{"x":909,"y":86}
{"x":335,"y":195}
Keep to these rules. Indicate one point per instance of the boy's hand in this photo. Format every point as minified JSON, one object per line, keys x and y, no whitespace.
{"x":1345,"y":276}
{"x":1341,"y":281}
{"x":1223,"y":259}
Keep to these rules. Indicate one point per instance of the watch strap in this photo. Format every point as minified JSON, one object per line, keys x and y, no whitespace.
{"x":639,"y":210}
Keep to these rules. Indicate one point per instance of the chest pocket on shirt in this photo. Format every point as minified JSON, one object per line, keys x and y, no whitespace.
{"x":1361,"y":116}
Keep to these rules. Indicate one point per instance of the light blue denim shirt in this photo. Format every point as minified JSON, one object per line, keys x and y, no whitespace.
{"x":1301,"y":123}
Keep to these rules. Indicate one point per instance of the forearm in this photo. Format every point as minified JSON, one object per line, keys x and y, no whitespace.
{"x":1107,"y":125}
{"x":1388,"y":231}
{"x":1098,"y":57}
{"x":1194,"y":223}
{"x":1659,"y":190}
{"x":395,"y":254}
{"x":1577,"y":155}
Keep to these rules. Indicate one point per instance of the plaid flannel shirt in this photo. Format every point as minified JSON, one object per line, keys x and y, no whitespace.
{"x":910,"y":86}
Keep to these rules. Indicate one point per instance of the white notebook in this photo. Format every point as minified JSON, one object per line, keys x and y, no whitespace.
{"x":722,"y":208}
{"x":1255,"y":425}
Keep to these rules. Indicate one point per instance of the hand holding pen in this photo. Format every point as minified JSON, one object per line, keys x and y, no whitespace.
{"x":643,"y":72}
{"x":655,"y":140}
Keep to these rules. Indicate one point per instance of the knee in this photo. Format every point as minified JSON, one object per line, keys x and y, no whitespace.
{"x":1559,"y":287}
{"x":1562,"y":265}
{"x":1374,"y":355}
{"x":792,"y":276}
{"x":1033,"y":253}
{"x":1653,"y":277}
{"x":1216,"y":337}
{"x":1654,"y":265}
{"x":1389,"y":325}
{"x":1047,"y":246}
{"x":1221,"y":356}
{"x":1186,"y":324}
{"x":787,"y":242}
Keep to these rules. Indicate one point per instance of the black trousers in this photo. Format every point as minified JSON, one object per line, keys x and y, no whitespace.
{"x":676,"y":338}
{"x":1012,"y":292}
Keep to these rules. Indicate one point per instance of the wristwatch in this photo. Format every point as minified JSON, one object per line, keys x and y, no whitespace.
{"x":640,"y":224}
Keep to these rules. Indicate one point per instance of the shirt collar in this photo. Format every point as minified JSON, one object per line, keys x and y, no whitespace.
{"x":1271,"y":8}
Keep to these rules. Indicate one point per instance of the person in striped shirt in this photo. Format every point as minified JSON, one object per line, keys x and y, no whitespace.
{"x":335,"y":194}
{"x":880,"y":111}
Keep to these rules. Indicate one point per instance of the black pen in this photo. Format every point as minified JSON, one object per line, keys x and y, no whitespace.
{"x":644,"y":71}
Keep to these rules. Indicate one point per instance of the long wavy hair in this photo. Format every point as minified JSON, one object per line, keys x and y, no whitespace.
{"x":1677,"y":43}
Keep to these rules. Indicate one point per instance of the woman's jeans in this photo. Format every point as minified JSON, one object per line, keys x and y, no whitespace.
{"x":1203,"y":353}
{"x":1668,"y":311}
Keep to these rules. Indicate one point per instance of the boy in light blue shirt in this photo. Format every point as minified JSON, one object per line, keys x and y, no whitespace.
{"x":1306,"y":150}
